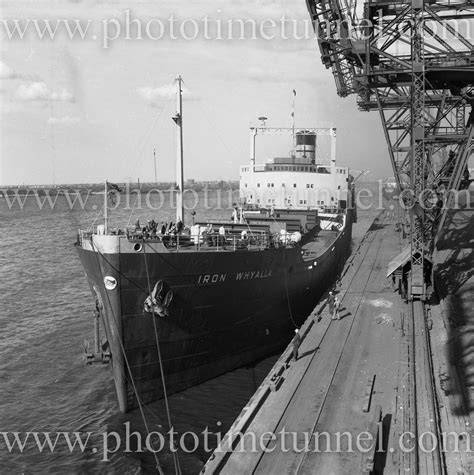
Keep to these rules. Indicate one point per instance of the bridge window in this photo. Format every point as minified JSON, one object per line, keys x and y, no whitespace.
{"x":294,"y":185}
{"x":258,"y":185}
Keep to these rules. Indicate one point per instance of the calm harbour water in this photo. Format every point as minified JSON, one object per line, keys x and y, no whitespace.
{"x":46,"y":313}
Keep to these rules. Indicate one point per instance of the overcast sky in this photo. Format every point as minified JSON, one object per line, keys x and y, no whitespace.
{"x":82,"y":110}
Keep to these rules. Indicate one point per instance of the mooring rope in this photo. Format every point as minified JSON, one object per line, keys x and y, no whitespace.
{"x":140,"y":406}
{"x":175,"y":455}
{"x":286,"y":289}
{"x":95,"y":219}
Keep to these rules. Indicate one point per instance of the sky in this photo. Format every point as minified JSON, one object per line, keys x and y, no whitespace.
{"x":77,"y":110}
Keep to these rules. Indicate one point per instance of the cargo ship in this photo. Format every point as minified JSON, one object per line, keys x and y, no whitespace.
{"x":181,"y":306}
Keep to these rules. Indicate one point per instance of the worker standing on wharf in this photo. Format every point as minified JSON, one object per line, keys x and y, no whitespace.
{"x":337,"y":308}
{"x":296,"y":344}
{"x":331,"y":305}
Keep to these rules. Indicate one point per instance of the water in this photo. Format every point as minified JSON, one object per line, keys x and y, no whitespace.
{"x":45,"y":314}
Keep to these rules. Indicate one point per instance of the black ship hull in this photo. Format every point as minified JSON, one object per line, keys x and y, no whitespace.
{"x":229,"y":308}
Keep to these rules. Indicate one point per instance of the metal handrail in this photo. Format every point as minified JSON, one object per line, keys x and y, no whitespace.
{"x":231,"y":241}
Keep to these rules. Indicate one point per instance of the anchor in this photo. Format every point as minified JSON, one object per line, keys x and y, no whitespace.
{"x":158,"y":302}
{"x":101,"y":353}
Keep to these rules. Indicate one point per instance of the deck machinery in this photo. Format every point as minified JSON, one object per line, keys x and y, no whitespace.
{"x":413,"y":61}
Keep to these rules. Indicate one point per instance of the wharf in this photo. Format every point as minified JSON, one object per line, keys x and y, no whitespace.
{"x":359,"y":384}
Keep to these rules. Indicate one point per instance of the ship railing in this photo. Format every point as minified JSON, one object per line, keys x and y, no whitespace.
{"x":100,"y":230}
{"x":330,"y":210}
{"x":230,"y":241}
{"x":86,"y":234}
{"x":80,"y":237}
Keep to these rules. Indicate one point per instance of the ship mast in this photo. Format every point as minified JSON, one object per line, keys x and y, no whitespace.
{"x":106,"y":217}
{"x":293,"y":122}
{"x":178,"y":119}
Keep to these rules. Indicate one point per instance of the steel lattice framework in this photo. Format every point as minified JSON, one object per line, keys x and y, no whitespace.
{"x":413,"y":61}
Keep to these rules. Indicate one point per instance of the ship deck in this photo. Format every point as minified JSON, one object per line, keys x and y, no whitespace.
{"x":311,"y":249}
{"x":319,"y":243}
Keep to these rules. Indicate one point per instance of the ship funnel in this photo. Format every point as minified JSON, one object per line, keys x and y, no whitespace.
{"x":305,"y":151}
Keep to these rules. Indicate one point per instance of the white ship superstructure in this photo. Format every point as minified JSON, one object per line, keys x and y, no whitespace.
{"x":302,"y":180}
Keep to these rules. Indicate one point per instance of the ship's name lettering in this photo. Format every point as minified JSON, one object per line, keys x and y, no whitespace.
{"x":211,"y":278}
{"x":254,"y":274}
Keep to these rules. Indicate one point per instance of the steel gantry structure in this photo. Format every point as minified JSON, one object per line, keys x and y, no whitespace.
{"x":413,"y":61}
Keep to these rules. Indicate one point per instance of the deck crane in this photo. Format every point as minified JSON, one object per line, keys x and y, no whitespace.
{"x":413,"y":61}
